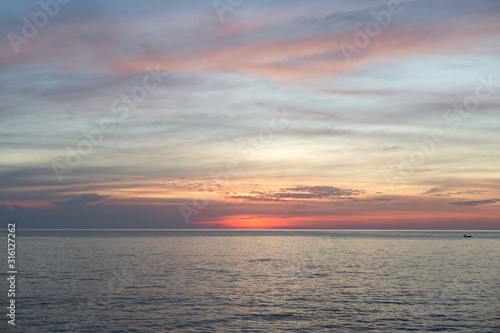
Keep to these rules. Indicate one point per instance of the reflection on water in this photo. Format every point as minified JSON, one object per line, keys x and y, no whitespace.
{"x":241,"y":281}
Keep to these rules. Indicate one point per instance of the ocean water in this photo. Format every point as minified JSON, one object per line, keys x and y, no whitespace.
{"x":255,"y":281}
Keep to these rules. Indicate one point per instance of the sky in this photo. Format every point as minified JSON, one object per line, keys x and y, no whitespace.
{"x":250,"y":114}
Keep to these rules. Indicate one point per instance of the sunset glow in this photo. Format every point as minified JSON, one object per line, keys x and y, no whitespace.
{"x":282,"y":114}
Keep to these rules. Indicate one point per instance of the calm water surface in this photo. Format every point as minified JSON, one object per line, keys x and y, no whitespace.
{"x":256,"y":281}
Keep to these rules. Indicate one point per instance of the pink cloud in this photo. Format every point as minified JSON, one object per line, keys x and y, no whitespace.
{"x":305,"y":57}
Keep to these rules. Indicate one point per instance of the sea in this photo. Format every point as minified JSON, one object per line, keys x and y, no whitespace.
{"x":254,"y":281}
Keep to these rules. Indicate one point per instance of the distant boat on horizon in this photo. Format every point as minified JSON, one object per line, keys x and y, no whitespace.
{"x":465,"y":235}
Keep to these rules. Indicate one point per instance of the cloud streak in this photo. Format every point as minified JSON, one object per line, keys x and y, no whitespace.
{"x":300,"y":193}
{"x":475,"y":203}
{"x":80,"y":201}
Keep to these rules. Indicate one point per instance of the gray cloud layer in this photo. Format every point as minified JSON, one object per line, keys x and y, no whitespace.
{"x":475,"y":203}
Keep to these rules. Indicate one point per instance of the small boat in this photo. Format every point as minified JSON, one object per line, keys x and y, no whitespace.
{"x":467,"y":236}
